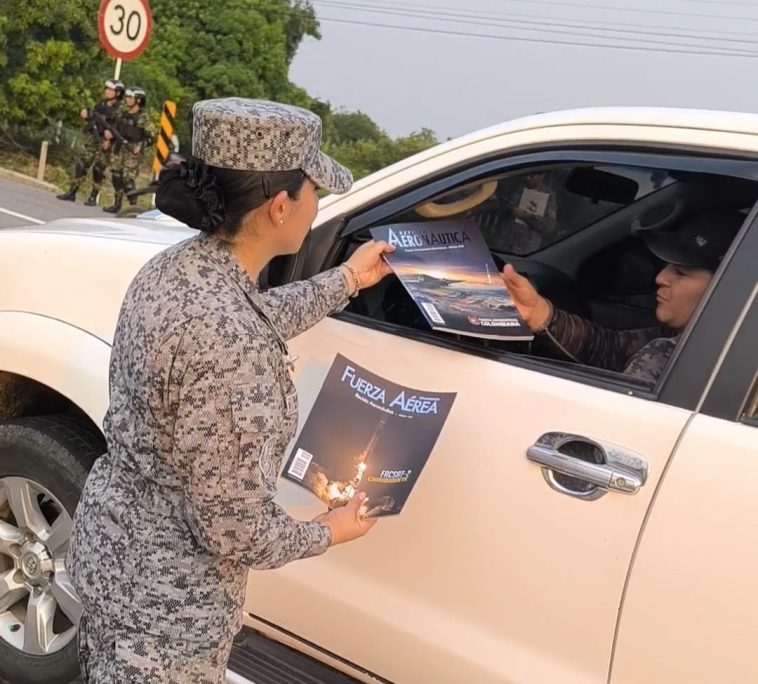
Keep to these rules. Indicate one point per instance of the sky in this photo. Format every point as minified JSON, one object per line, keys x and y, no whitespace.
{"x":455,"y":84}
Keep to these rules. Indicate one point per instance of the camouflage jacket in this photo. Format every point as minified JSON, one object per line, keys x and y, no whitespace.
{"x":202,"y":407}
{"x":103,"y":115}
{"x":137,"y":130}
{"x":642,"y":353}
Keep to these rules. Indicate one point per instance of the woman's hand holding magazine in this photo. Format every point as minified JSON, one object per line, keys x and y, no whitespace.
{"x":347,"y":523}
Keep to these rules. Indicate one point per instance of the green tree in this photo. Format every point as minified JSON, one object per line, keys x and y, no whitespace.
{"x":350,"y":127}
{"x":411,"y":144}
{"x":357,"y":142}
{"x":3,"y":41}
{"x":49,"y":56}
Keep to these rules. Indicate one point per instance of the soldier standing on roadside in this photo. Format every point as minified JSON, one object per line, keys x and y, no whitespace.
{"x":97,"y":148}
{"x":136,"y":134}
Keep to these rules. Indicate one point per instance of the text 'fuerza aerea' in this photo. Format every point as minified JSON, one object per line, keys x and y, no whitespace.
{"x":407,"y":404}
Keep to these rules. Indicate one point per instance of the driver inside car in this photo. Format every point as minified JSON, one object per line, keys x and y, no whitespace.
{"x":691,"y":253}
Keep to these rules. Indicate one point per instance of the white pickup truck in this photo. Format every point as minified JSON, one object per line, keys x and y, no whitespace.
{"x":502,"y":567}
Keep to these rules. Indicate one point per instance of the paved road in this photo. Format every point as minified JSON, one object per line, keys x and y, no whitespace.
{"x":23,"y":205}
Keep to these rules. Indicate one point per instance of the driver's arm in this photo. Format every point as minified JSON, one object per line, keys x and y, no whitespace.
{"x":575,"y":339}
{"x":559,"y":334}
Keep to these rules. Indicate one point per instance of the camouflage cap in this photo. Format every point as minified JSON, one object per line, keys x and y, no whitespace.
{"x":700,"y":241}
{"x":259,"y":135}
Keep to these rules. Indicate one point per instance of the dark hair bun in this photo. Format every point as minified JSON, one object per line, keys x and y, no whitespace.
{"x":190,"y":193}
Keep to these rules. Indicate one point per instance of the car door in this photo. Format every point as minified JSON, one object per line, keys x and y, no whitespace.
{"x":690,"y":612}
{"x":498,"y":569}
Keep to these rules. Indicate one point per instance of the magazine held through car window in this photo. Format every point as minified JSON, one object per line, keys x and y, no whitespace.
{"x":448,"y":270}
{"x":366,"y":433}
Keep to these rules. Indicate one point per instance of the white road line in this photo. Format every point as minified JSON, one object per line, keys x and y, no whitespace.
{"x":21,"y":216}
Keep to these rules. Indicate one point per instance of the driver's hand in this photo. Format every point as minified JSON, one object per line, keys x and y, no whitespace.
{"x":532,"y":307}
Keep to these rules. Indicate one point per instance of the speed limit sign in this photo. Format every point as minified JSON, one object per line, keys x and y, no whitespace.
{"x":124,"y":27}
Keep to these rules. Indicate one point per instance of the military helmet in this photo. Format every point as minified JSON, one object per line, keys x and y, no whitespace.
{"x":116,"y":85}
{"x":138,"y":94}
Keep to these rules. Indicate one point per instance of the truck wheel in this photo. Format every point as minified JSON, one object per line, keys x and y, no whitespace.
{"x":44,"y":463}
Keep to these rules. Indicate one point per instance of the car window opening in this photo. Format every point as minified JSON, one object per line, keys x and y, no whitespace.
{"x":580,"y":234}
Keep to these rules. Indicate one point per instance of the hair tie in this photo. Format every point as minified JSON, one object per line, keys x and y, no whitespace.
{"x":206,"y":192}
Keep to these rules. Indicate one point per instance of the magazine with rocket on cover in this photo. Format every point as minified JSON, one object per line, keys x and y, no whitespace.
{"x":366,"y":433}
{"x":448,"y":270}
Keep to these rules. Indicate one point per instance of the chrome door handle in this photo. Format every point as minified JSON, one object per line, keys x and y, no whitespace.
{"x":608,"y":476}
{"x":586,"y":468}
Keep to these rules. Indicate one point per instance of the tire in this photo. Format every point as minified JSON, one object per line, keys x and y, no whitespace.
{"x":55,"y":454}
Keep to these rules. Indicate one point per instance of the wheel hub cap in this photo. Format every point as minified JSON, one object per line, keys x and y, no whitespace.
{"x":39,"y":608}
{"x":31,"y":566}
{"x":36,"y":563}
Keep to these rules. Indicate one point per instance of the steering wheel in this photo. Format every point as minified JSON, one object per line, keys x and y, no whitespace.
{"x":434,"y":210}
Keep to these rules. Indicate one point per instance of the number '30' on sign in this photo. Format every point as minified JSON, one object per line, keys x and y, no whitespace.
{"x":124,"y":27}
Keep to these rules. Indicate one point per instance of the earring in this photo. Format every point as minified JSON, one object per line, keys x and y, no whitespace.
{"x":281,"y":221}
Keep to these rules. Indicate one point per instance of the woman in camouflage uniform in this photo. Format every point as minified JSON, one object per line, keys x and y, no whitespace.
{"x":202,"y":405}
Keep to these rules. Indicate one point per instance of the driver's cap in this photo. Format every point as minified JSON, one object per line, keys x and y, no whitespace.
{"x":699,"y":241}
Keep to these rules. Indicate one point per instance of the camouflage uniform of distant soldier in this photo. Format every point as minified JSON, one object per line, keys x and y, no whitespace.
{"x":135,"y":133}
{"x":97,"y":151}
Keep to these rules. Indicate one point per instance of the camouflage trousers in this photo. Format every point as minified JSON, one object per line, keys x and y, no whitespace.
{"x":128,"y":163}
{"x":95,"y":157}
{"x":111,"y":653}
{"x":126,"y":168}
